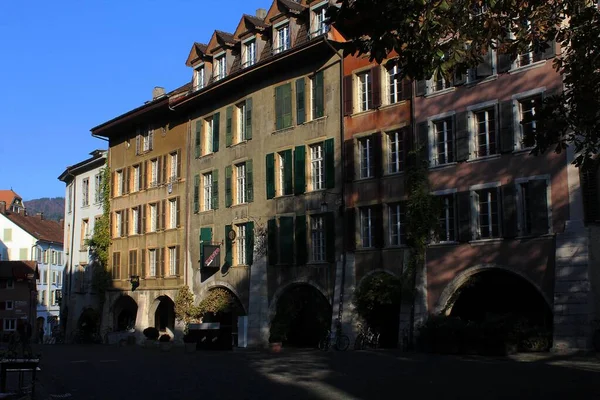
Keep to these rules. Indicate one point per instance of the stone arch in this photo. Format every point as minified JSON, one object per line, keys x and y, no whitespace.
{"x":124,"y":310}
{"x":446,"y":299}
{"x":282,"y":289}
{"x":225,"y":285}
{"x":162,"y":313}
{"x":375,"y":272}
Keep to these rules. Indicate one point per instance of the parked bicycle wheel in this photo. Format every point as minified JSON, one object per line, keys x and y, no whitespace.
{"x":359,"y":343}
{"x":342,"y":342}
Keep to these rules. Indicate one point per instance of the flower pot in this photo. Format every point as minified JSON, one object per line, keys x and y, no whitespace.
{"x":190,"y":347}
{"x":275,"y":347}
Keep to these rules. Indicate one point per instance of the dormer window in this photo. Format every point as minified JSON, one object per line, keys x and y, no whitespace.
{"x":220,"y":67}
{"x":199,"y":77}
{"x":318,"y":21}
{"x":249,"y":53}
{"x":282,"y":38}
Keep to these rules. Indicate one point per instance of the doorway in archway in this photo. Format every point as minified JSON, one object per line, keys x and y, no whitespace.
{"x":224,"y":307}
{"x":125,"y":312}
{"x":164,"y":316}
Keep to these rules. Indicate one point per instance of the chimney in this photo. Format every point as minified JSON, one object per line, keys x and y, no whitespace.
{"x":158,"y":92}
{"x":2,"y":207}
{"x":261,"y":13}
{"x":39,"y":215}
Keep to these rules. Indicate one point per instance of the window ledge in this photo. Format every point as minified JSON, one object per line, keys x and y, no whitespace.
{"x":442,"y":244}
{"x":323,"y":118}
{"x":317,"y":263}
{"x":283,"y":130}
{"x":529,"y":237}
{"x":392,"y":174}
{"x":484,"y":158}
{"x":398,"y":103}
{"x":481,"y":242}
{"x":365,"y":112}
{"x":440,"y":92}
{"x":363,"y":179}
{"x":284,"y":196}
{"x":205,"y":211}
{"x":365,"y":249}
{"x":523,"y":150}
{"x":208,"y":155}
{"x":238,"y":143}
{"x":171,"y":277}
{"x":442,"y":166}
{"x":396,"y":247}
{"x":239,"y":205}
{"x":481,"y":81}
{"x":527,"y":67}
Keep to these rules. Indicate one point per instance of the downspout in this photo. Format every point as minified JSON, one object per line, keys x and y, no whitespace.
{"x":411,"y":321}
{"x":72,"y":240}
{"x":343,"y":186}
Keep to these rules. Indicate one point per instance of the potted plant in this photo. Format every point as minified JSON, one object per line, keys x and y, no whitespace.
{"x":165,"y":342}
{"x":189,"y":342}
{"x":277,"y":336}
{"x":151,"y":334}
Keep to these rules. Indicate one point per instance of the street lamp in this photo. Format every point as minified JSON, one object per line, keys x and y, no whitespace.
{"x":135,"y":282}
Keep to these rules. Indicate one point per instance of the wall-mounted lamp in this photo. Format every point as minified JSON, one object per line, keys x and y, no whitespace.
{"x":135,"y":282}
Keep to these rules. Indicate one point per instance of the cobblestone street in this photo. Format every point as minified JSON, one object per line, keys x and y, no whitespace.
{"x":107,"y":372}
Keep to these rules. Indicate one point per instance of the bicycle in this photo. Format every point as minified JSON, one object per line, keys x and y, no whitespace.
{"x":368,"y":338}
{"x":341,"y":341}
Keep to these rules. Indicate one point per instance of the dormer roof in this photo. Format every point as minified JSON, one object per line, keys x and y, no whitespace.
{"x":249,"y":23}
{"x":220,"y":39}
{"x":197,"y":52}
{"x":280,"y":7}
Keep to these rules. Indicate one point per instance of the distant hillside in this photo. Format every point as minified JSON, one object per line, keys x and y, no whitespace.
{"x":52,"y":208}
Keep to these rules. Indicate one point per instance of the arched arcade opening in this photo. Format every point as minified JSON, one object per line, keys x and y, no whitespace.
{"x":124,"y":313}
{"x":164,"y":316}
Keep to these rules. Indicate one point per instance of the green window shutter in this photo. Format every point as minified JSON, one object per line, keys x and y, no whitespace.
{"x":301,"y":244}
{"x":287,"y":105}
{"x":270,"y":175}
{"x":286,"y":240}
{"x":329,"y":164}
{"x":318,"y":96}
{"x":228,"y":197}
{"x":300,"y":102}
{"x":228,"y":126}
{"x":198,"y":138}
{"x":214,"y":202}
{"x":330,"y":237}
{"x":249,"y":242}
{"x":228,"y":247}
{"x":249,"y":182}
{"x":279,"y":108}
{"x":272,"y":241}
{"x":196,"y":193}
{"x":216,"y":121}
{"x":248,"y":119}
{"x":205,"y":237}
{"x":299,"y":170}
{"x":288,"y":187}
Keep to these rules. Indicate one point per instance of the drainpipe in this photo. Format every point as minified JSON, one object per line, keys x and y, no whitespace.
{"x":343,"y":186}
{"x":411,"y":321}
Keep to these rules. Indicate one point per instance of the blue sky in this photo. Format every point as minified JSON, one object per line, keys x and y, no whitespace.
{"x":67,"y":66}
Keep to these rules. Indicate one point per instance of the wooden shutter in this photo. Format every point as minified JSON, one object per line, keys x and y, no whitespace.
{"x":151,"y":138}
{"x":163,"y":214}
{"x":319,"y":95}
{"x":126,"y":218}
{"x":350,"y":229}
{"x":377,"y":215}
{"x":215,"y":131}
{"x":249,"y":243}
{"x":287,"y":105}
{"x":143,"y":173}
{"x":288,"y":185}
{"x":270,"y":178}
{"x":348,"y":96}
{"x":143,"y":211}
{"x":299,"y":170}
{"x":375,"y":77}
{"x":229,"y":126}
{"x":406,"y":89}
{"x":330,"y":237}
{"x":178,"y":208}
{"x":377,"y":155}
{"x":178,"y":163}
{"x":165,"y":162}
{"x":126,"y":180}
{"x":421,"y":88}
{"x":406,"y":135}
{"x":248,"y":116}
{"x":137,"y":143}
{"x":161,"y":268}
{"x":158,"y":170}
{"x":140,"y":226}
{"x":198,"y":138}
{"x":196,"y":193}
{"x":462,"y":137}
{"x":459,"y":79}
{"x":349,"y":160}
{"x":484,"y":69}
{"x":423,"y":142}
{"x":228,"y":247}
{"x":272,"y":241}
{"x":504,"y":62}
{"x":214,"y":202}
{"x":509,"y":211}
{"x":538,"y":206}
{"x":177,"y":260}
{"x":228,"y":183}
{"x":464,"y":216}
{"x":279,"y":108}
{"x":249,"y":182}
{"x":143,"y":262}
{"x":300,"y":101}
{"x":206,"y":238}
{"x":286,"y":240}
{"x":329,"y":151}
{"x":301,"y":243}
{"x":507,"y":136}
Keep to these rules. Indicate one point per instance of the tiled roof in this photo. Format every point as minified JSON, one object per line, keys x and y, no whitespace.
{"x":18,"y":269}
{"x":201,"y":47}
{"x":226,"y":37}
{"x":292,"y":5}
{"x":255,"y":21}
{"x":8,"y":196}
{"x":41,"y":229}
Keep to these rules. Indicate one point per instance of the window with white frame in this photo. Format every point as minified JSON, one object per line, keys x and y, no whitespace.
{"x":207,"y":182}
{"x":154,"y":173}
{"x":443,"y":145}
{"x":54,"y":257}
{"x":42,"y":298}
{"x":364,"y":90}
{"x":486,"y":215}
{"x":173,"y":166}
{"x":527,"y":108}
{"x":118,"y":224}
{"x":220,"y":67}
{"x":396,"y":229}
{"x":152,"y":262}
{"x":485,"y":136}
{"x":366,"y":227}
{"x":532,"y":207}
{"x":136,"y":178}
{"x":365,"y":148}
{"x":85,"y":230}
{"x":208,"y":137}
{"x":135,"y":219}
{"x":10,"y":324}
{"x":280,"y":174}
{"x":241,"y":122}
{"x":172,"y":261}
{"x":147,"y":139}
{"x":437,"y":84}
{"x":241,"y":245}
{"x":395,"y":151}
{"x":447,"y":220}
{"x":173,"y":208}
{"x":249,"y":53}
{"x":394,"y":84}
{"x":319,"y":21}
{"x":283,"y":41}
{"x":199,"y":77}
{"x":240,"y":175}
{"x":85,"y":192}
{"x":317,"y":171}
{"x":317,"y":238}
{"x":153,"y":217}
{"x":119,"y":183}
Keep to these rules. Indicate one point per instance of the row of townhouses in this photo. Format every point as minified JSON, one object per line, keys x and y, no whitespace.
{"x":281,"y":166}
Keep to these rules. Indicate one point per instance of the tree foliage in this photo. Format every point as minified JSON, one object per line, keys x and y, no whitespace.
{"x":444,"y":37}
{"x":217,"y":300}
